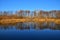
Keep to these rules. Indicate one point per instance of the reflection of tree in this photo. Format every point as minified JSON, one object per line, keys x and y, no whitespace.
{"x":57,"y":26}
{"x":36,"y":26}
{"x":41,"y":25}
{"x":5,"y":27}
{"x":21,"y":25}
{"x":27,"y":27}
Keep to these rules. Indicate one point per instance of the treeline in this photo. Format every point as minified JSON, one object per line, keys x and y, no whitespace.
{"x":30,"y":14}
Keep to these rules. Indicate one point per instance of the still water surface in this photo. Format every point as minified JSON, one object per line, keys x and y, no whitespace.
{"x":29,"y":30}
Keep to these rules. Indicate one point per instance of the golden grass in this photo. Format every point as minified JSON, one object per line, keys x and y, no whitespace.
{"x":3,"y":21}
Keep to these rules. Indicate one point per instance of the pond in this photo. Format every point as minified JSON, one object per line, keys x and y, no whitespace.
{"x":30,"y":30}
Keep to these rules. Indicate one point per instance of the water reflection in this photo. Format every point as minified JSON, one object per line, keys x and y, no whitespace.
{"x":31,"y":25}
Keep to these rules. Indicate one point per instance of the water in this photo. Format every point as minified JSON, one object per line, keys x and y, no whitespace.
{"x":30,"y":30}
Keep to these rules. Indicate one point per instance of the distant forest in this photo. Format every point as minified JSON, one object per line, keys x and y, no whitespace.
{"x":30,"y":14}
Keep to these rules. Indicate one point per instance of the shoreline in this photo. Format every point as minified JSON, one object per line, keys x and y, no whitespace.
{"x":7,"y":21}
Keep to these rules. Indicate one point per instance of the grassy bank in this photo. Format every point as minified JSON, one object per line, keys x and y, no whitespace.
{"x":6,"y":21}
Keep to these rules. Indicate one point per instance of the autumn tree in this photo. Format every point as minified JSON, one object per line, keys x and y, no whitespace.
{"x":20,"y":13}
{"x":27,"y":13}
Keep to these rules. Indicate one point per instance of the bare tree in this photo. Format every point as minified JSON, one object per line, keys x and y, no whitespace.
{"x":20,"y":13}
{"x":27,"y":13}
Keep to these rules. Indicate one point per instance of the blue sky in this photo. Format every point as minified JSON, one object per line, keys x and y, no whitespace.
{"x":13,"y":5}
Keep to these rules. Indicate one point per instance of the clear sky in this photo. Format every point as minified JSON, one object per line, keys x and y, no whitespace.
{"x":13,"y":5}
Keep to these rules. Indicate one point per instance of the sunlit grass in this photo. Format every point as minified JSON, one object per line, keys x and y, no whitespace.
{"x":3,"y":21}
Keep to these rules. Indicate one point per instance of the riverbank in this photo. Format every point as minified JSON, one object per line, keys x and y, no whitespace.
{"x":6,"y":21}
